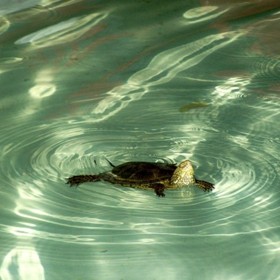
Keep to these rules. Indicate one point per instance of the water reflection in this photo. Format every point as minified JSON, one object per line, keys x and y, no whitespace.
{"x":84,"y":81}
{"x":162,"y":69}
{"x":22,"y":263}
{"x":63,"y":32}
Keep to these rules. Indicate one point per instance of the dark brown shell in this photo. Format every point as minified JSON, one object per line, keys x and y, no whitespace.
{"x":144,"y":171}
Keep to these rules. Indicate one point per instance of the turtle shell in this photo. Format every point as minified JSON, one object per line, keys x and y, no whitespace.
{"x":143,"y":172}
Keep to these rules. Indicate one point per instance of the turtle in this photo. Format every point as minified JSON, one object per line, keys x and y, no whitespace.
{"x":148,"y":176}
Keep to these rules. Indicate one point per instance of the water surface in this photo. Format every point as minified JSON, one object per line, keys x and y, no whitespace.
{"x":159,"y":81}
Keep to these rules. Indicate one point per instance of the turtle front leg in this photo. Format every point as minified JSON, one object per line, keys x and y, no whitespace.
{"x":206,"y":186}
{"x":159,"y":188}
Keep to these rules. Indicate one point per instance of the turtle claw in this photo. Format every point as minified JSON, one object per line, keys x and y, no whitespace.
{"x":159,"y":188}
{"x":79,"y":179}
{"x":161,"y":195}
{"x":74,"y":181}
{"x":206,"y":186}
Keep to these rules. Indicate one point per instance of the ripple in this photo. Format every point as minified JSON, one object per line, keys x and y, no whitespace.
{"x":221,"y":139}
{"x":39,"y":158}
{"x":265,"y":69}
{"x":132,"y":114}
{"x":52,"y":158}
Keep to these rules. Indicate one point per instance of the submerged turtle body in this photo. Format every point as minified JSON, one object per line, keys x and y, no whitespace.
{"x":148,"y":176}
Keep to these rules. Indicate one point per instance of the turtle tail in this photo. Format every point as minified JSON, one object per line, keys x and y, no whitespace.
{"x":206,"y":186}
{"x":79,"y":179}
{"x":110,"y":163}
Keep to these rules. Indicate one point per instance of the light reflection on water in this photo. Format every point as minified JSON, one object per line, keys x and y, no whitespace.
{"x":98,"y":81}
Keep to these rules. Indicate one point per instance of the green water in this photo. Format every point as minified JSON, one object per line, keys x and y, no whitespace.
{"x":158,"y":81}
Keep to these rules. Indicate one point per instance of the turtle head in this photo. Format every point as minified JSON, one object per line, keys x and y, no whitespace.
{"x":183,"y":174}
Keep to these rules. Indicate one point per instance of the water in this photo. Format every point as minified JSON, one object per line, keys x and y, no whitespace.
{"x":82,"y":81}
